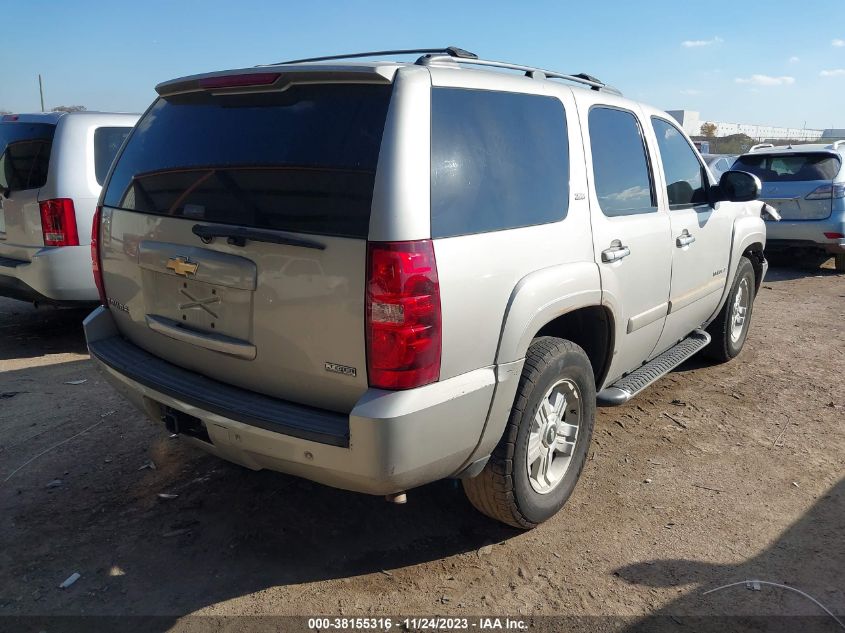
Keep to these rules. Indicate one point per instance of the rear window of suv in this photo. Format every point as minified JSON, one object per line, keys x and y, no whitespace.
{"x":24,"y":154}
{"x":301,"y":160}
{"x":789,"y":167}
{"x":499,"y":160}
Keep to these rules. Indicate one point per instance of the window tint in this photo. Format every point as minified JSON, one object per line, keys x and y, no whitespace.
{"x":499,"y":160}
{"x":24,"y":154}
{"x":620,"y":168}
{"x":299,"y":160}
{"x":789,"y":167}
{"x":107,"y":140}
{"x":685,"y":184}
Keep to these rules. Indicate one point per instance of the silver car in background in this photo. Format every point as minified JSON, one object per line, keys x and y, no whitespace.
{"x":718,"y":164}
{"x":52,"y":167}
{"x":806,"y":185}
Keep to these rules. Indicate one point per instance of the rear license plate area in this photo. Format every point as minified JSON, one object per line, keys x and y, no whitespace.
{"x":181,"y":423}
{"x":784,"y":206}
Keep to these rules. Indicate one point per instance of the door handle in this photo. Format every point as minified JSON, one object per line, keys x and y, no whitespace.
{"x":616,"y":252}
{"x":684,"y":239}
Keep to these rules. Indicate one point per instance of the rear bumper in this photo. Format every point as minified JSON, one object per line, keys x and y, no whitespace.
{"x":389,"y":442}
{"x":807,"y":233}
{"x":54,"y":275}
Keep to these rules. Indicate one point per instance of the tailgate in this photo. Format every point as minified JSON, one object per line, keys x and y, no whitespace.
{"x":24,"y":158}
{"x":790,"y":199}
{"x":234,"y":237}
{"x":265,"y":317}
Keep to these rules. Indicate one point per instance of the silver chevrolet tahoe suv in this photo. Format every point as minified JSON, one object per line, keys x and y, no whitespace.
{"x":52,"y":168}
{"x":376,"y":275}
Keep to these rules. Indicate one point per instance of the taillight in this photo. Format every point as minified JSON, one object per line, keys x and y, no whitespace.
{"x":827,"y":192}
{"x":834,"y":236}
{"x":96,"y":262}
{"x":403,"y":322}
{"x":58,"y":222}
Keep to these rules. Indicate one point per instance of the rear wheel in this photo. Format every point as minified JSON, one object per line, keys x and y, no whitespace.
{"x":534,"y":469}
{"x":730,"y":329}
{"x":839,"y":262}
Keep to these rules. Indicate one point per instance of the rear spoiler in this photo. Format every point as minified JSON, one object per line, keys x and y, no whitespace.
{"x":265,"y":78}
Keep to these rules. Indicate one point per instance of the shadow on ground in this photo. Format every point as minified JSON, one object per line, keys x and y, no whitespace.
{"x":28,"y":332}
{"x":228,"y":533}
{"x":796,"y":559}
{"x":781,"y":270}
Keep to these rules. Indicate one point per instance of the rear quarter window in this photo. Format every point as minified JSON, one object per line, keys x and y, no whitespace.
{"x":107,"y":140}
{"x":499,"y":160}
{"x":25,"y":154}
{"x":302,"y":160}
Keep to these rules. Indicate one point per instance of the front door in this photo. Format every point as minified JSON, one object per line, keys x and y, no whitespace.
{"x":630,"y":230}
{"x":701,"y":234}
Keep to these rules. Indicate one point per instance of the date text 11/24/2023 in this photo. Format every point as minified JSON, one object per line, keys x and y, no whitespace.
{"x":416,"y":624}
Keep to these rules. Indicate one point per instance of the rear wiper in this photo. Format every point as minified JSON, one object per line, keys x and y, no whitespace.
{"x":238,"y":236}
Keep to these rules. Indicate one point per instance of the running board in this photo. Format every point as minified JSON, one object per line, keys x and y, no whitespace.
{"x":629,"y":386}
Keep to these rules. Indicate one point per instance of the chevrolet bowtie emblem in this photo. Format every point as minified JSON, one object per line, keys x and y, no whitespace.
{"x":182,"y":266}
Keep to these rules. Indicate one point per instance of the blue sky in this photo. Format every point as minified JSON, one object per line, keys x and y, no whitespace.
{"x":767,"y":63}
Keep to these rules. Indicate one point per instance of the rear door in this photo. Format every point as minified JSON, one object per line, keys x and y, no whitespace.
{"x":235,"y":231}
{"x":701,"y":233}
{"x":24,"y":159}
{"x":630,"y":231}
{"x":798,"y":185}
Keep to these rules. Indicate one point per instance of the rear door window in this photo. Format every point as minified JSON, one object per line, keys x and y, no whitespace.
{"x":24,"y":154}
{"x":621,"y":171}
{"x":499,"y":160}
{"x":107,"y":140}
{"x":685,"y":181}
{"x":303,"y":159}
{"x":790,"y":167}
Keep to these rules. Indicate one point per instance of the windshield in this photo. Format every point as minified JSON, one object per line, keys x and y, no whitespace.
{"x":789,"y":167}
{"x":302,"y":160}
{"x":24,"y":154}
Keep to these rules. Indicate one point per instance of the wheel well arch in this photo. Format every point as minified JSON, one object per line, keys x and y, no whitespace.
{"x":590,"y":327}
{"x":754,"y":253}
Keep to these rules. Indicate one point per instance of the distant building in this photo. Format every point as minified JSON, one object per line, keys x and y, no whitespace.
{"x":834,"y":133}
{"x":692,"y":121}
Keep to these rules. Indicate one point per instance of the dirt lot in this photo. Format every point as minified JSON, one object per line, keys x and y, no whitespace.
{"x":714,"y":475}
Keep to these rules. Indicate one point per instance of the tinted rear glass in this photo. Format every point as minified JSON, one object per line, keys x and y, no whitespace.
{"x":107,"y":140}
{"x":789,"y":167}
{"x":300,"y":160}
{"x":499,"y":160}
{"x":24,"y":154}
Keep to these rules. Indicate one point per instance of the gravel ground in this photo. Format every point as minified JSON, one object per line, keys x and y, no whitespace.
{"x":714,"y":475}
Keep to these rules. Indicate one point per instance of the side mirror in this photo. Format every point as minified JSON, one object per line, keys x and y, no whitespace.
{"x":738,"y":186}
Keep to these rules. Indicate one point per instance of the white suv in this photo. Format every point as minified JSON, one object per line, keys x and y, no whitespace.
{"x":52,"y":167}
{"x":376,"y":275}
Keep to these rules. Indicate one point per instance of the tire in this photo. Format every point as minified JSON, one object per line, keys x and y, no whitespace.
{"x":727,"y":340}
{"x":839,"y":262}
{"x":508,"y":488}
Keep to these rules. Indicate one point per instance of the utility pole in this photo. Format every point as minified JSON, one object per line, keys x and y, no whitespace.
{"x":41,"y":91}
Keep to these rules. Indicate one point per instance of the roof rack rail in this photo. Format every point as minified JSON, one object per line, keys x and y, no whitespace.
{"x":836,"y":144}
{"x":754,"y":148}
{"x":449,"y":51}
{"x":530,"y":71}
